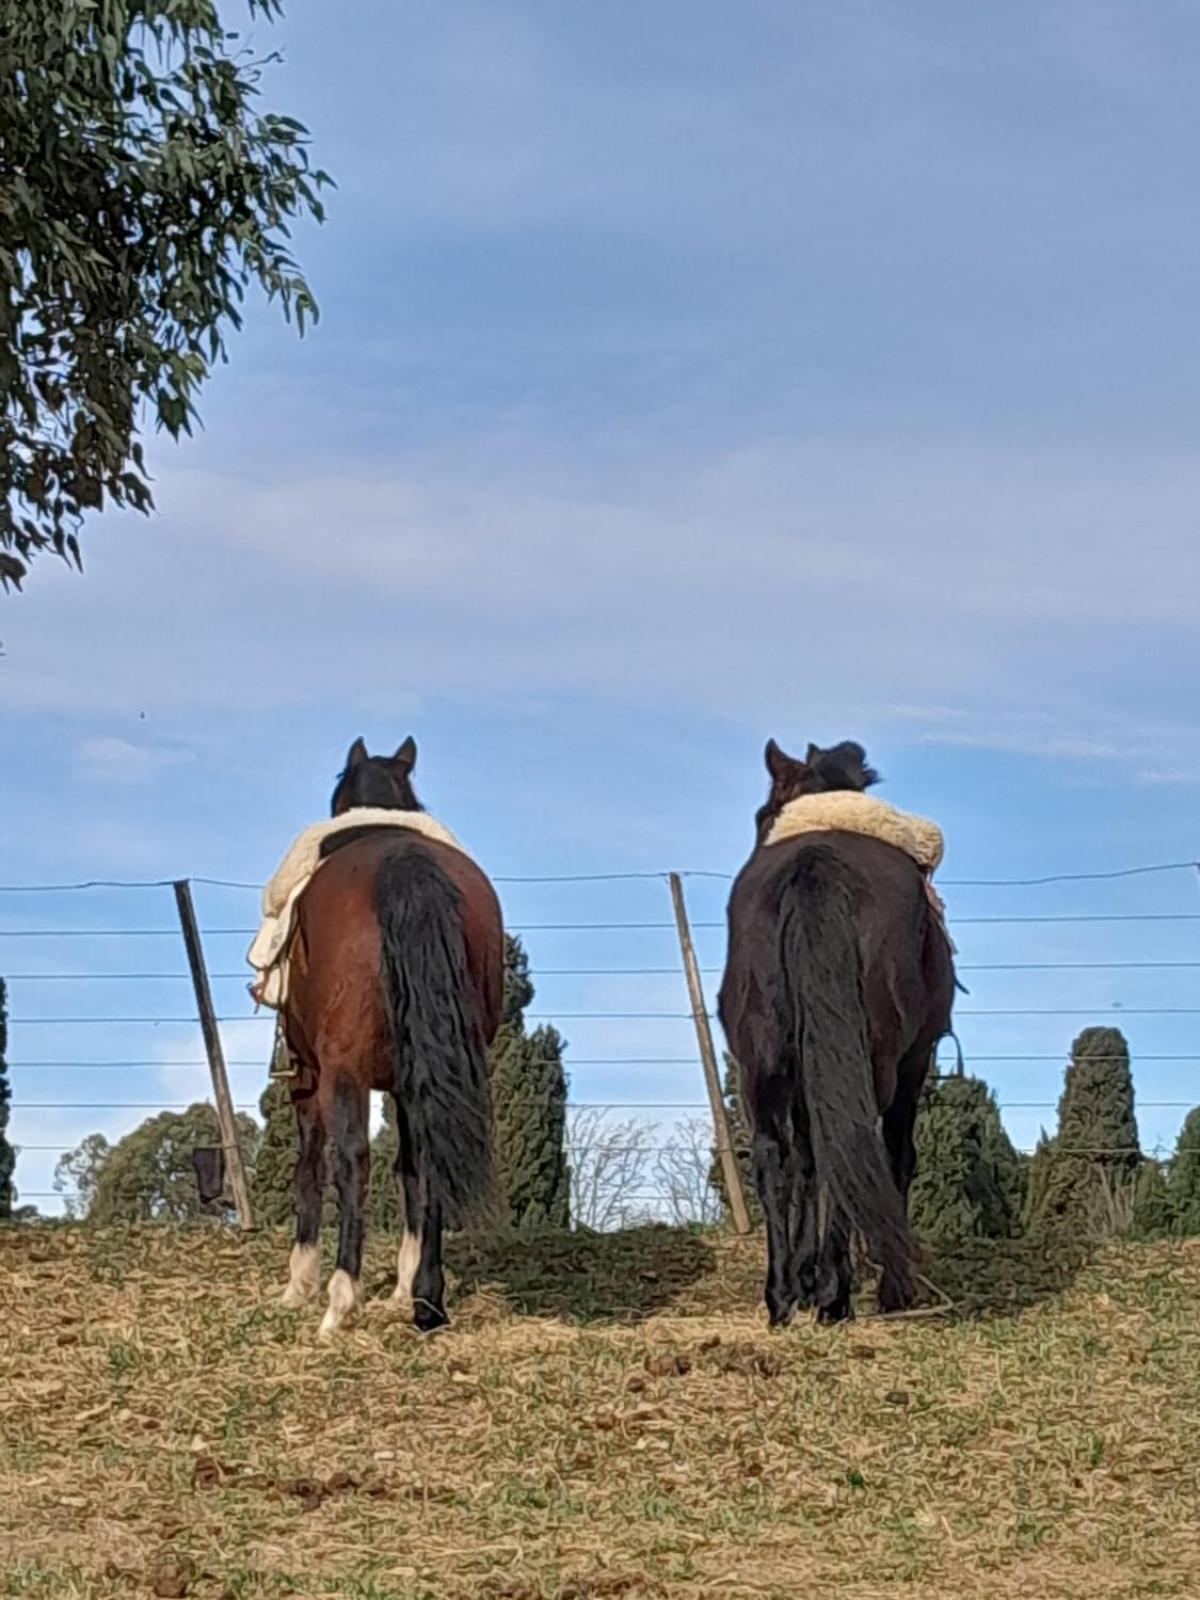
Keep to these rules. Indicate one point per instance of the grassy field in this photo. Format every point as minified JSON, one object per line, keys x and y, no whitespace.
{"x":607,"y":1417}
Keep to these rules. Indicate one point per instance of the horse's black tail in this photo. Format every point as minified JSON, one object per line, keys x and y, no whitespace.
{"x":820,"y":957}
{"x":437,"y":1027}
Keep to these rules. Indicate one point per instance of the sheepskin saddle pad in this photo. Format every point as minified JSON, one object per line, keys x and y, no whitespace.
{"x":848,"y":811}
{"x":268,"y":955}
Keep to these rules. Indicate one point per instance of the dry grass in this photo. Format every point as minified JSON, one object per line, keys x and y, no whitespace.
{"x":607,"y":1418}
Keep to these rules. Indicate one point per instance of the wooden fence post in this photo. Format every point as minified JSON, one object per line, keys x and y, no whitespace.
{"x":216,"y":1056}
{"x":708,"y":1056}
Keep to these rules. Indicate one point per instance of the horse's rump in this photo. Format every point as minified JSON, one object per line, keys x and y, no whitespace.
{"x":902,"y":951}
{"x":337,"y":952}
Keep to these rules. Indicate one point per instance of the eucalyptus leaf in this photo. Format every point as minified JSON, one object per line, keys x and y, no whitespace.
{"x":142,"y":192}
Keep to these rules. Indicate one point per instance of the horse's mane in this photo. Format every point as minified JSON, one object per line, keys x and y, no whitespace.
{"x":843,"y":767}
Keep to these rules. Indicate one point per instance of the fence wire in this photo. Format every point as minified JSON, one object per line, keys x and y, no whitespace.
{"x":617,"y":1004}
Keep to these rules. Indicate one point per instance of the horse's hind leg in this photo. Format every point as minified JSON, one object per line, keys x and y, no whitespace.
{"x":899,"y":1122}
{"x":351,"y":1172}
{"x":429,"y":1281}
{"x":802,"y":1222}
{"x":309,"y":1189}
{"x":409,"y":1257}
{"x":835,"y":1272}
{"x":900,"y":1118}
{"x":775,"y":1174}
{"x":420,"y":1278}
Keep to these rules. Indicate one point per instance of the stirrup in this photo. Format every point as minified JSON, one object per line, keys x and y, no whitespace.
{"x":283,"y":1066}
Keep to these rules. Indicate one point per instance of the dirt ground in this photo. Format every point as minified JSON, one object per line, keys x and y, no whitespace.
{"x":606,"y":1417}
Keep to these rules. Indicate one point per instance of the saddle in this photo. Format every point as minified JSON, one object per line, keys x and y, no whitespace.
{"x":268,"y":955}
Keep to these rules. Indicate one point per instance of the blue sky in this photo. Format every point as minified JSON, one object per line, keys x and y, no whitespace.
{"x":686,"y":374}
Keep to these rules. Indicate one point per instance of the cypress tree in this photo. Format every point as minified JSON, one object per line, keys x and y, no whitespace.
{"x":529,"y":1109}
{"x":1094,"y":1158}
{"x":1183,"y":1185}
{"x":742,"y":1140}
{"x":1038,"y":1177}
{"x":969,"y":1182}
{"x":276,"y":1165}
{"x":1153,"y":1213}
{"x":8,"y":1156}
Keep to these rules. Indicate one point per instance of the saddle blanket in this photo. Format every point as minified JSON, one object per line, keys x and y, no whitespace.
{"x":849,"y":811}
{"x":268,"y":955}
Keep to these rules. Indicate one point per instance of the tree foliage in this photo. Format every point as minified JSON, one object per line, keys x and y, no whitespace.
{"x":1081,"y":1179}
{"x":8,"y":1156}
{"x":275,"y":1164}
{"x":147,"y":1175}
{"x":683,"y":1175}
{"x":1153,"y":1211}
{"x":529,"y":1109}
{"x":610,"y":1163}
{"x":142,"y":192}
{"x":1184,"y":1180}
{"x":969,"y":1182}
{"x":77,"y":1173}
{"x":386,"y":1197}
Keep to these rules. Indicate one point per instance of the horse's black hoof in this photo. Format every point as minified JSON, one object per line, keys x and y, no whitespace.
{"x":429,"y":1318}
{"x":779,"y":1312}
{"x":839,"y":1311}
{"x":895,"y":1298}
{"x":806,"y":1285}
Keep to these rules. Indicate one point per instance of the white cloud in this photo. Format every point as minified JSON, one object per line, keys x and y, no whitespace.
{"x":1007,"y":596}
{"x":1138,"y":742}
{"x":113,"y":760}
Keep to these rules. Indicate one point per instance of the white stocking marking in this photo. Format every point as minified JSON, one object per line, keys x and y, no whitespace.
{"x":406,"y":1267}
{"x":305,"y":1267}
{"x":345,"y":1293}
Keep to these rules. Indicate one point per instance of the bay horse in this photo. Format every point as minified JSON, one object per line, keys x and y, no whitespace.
{"x":838,"y":985}
{"x":395,"y":982}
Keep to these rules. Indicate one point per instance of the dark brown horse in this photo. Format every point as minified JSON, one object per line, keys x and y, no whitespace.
{"x":838,"y":986}
{"x":395,"y":984}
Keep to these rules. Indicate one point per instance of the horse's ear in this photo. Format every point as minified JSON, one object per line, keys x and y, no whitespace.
{"x":358,"y":754}
{"x":811,"y":754}
{"x":406,"y":756}
{"x":778,"y":764}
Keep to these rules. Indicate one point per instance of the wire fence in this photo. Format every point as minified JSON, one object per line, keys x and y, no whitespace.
{"x":83,"y":1006}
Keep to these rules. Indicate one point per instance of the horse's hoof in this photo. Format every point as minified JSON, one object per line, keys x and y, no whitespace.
{"x":345,"y":1297}
{"x":895,"y":1297}
{"x":304,"y":1277}
{"x":429,"y":1318}
{"x":829,"y":1316}
{"x":780,"y":1313}
{"x":334,"y":1322}
{"x":805,"y":1285}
